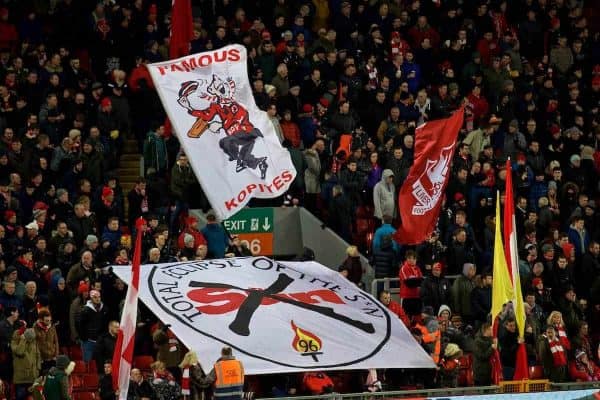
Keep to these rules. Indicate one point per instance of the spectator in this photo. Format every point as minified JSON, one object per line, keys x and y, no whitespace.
{"x":553,"y":355}
{"x":182,"y":179}
{"x":481,"y":298}
{"x":435,"y":289}
{"x":140,"y":388}
{"x":217,"y":239}
{"x":26,"y":360}
{"x":384,"y":196}
{"x":9,"y":323}
{"x":461,"y":292}
{"x":484,"y":347}
{"x":353,"y":265}
{"x":105,"y":346}
{"x":56,"y":385}
{"x":47,"y":339}
{"x":410,"y":284}
{"x":508,"y":342}
{"x":386,"y":298}
{"x":92,"y":322}
{"x":582,"y":369}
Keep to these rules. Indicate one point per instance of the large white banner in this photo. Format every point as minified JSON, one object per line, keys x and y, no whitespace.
{"x":277,"y":316}
{"x":232,"y":145}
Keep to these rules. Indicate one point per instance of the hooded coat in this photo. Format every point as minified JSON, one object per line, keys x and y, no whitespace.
{"x":384,"y":196}
{"x":26,"y":357}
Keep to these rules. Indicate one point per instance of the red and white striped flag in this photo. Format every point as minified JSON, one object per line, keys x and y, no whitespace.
{"x":123,"y":355}
{"x":512,"y":261}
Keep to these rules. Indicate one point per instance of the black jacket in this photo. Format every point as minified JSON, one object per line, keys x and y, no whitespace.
{"x":481,"y":302}
{"x":92,"y":323}
{"x":435,"y":291}
{"x":105,"y":347}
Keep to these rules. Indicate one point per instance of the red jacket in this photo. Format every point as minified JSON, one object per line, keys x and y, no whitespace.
{"x":408,"y":273}
{"x":579,"y":372}
{"x":198,"y":238}
{"x":397,"y":309}
{"x":291,"y":132}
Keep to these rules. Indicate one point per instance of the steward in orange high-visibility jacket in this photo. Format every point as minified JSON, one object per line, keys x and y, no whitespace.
{"x":432,"y":337}
{"x":227,"y":376}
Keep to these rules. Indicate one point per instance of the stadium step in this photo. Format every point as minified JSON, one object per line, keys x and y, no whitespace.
{"x":129,"y":168}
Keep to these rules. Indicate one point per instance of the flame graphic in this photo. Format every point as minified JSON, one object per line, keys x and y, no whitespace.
{"x":305,"y":341}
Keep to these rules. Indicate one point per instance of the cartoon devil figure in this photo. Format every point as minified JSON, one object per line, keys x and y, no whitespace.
{"x":217,"y":111}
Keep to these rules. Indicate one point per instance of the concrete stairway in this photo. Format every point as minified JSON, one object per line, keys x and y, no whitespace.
{"x":129,"y":168}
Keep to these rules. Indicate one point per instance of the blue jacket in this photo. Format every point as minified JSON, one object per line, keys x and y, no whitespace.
{"x":383,"y":230}
{"x":114,"y":237}
{"x":581,"y":242}
{"x":217,"y":240}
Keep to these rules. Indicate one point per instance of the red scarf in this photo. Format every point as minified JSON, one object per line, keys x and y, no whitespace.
{"x":562,"y":335}
{"x":185,"y":381}
{"x":558,"y":353}
{"x":43,"y":326}
{"x":25,"y":263}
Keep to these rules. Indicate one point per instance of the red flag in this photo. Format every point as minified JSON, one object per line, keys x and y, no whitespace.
{"x":123,"y":355}
{"x":182,"y":28}
{"x":420,"y":197}
{"x":512,"y":262}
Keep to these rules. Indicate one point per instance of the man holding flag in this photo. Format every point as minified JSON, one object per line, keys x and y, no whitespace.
{"x":507,"y":285}
{"x":123,"y":355}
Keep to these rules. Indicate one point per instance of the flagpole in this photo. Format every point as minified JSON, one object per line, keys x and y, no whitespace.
{"x":123,"y":354}
{"x":512,"y":258}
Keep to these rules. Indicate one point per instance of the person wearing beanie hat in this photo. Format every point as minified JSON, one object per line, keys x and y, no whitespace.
{"x":444,"y":313}
{"x":582,"y":368}
{"x":435,"y":289}
{"x":56,"y":386}
{"x":26,"y":361}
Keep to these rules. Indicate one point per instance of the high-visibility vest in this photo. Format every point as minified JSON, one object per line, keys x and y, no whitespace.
{"x":432,"y":337}
{"x":229,"y":381}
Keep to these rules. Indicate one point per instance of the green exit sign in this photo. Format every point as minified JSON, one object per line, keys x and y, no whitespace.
{"x":251,"y":220}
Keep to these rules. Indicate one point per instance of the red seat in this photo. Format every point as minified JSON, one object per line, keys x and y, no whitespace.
{"x":77,"y":381}
{"x":143,"y":362}
{"x":536,"y":372}
{"x":80,"y":367}
{"x":84,"y":396}
{"x":92,"y":368}
{"x":75,"y":353}
{"x":90,"y":381}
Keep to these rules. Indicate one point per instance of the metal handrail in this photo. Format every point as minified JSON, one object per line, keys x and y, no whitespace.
{"x":387,"y":281}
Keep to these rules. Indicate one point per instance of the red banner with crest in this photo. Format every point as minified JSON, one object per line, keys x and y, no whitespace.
{"x":421,"y":195}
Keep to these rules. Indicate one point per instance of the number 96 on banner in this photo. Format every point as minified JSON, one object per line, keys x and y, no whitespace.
{"x":258,"y":243}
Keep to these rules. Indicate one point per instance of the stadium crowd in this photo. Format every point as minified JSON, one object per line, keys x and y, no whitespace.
{"x":345,"y":83}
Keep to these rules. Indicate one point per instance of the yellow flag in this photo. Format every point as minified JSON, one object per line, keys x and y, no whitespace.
{"x":502,"y":290}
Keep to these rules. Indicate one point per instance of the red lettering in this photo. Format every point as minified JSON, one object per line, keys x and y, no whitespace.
{"x":162,"y":70}
{"x":234,"y":55}
{"x":287,"y":176}
{"x":175,"y":67}
{"x":241,"y":196}
{"x":222,"y":54}
{"x":231,"y":301}
{"x":206,"y":57}
{"x":318,"y":296}
{"x":250,"y":188}
{"x":189,"y":66}
{"x":277,"y":183}
{"x":229,"y":204}
{"x":219,"y":301}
